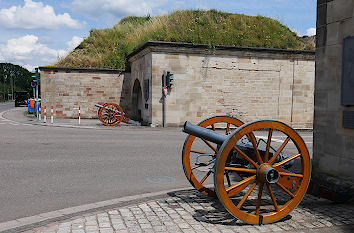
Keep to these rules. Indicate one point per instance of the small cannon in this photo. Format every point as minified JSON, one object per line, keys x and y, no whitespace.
{"x":246,"y":158}
{"x":112,"y":114}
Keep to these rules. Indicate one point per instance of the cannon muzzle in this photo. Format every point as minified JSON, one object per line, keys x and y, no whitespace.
{"x":203,"y":133}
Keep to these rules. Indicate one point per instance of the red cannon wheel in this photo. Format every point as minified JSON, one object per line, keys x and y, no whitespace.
{"x":111,"y":114}
{"x":198,"y":156}
{"x":268,"y":171}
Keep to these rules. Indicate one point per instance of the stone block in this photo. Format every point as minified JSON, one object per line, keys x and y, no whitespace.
{"x":333,"y":36}
{"x":321,"y":36}
{"x":346,"y":168}
{"x":321,"y":15}
{"x":346,"y":28}
{"x":328,"y":164}
{"x":339,"y":10}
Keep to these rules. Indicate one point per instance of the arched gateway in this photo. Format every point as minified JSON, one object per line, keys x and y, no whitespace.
{"x":137,"y":103}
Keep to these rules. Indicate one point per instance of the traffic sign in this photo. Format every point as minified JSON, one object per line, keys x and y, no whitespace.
{"x":33,"y":84}
{"x":164,"y":91}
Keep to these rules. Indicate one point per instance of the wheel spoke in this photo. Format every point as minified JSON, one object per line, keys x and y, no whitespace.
{"x":271,"y":161}
{"x":211,"y":146}
{"x":237,"y":169}
{"x":273,"y":197}
{"x":266,"y":156}
{"x":201,"y":165}
{"x":285,"y":189}
{"x":228,"y":179}
{"x":246,"y":157}
{"x":291,"y":174}
{"x":286,"y":160}
{"x":254,"y":143}
{"x":241,"y":183}
{"x":213,"y":127}
{"x":205,"y":177}
{"x":228,"y":128}
{"x":259,"y":198}
{"x":246,"y":195}
{"x":199,"y":152}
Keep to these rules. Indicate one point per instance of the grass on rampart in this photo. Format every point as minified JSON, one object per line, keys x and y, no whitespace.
{"x":108,"y":48}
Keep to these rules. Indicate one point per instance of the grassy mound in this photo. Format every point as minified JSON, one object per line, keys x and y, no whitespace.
{"x":108,"y":48}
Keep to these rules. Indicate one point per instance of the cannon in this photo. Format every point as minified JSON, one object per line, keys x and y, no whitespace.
{"x":112,"y":114}
{"x":261,"y":170}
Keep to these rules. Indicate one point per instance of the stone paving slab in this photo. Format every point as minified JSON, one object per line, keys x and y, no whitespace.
{"x":189,"y":211}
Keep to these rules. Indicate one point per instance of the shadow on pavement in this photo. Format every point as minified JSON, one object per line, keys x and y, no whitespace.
{"x":312,"y":211}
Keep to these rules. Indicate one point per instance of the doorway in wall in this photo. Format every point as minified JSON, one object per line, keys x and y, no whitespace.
{"x":137,"y":101}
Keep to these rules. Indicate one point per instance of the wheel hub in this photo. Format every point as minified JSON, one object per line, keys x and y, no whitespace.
{"x":266,"y":173}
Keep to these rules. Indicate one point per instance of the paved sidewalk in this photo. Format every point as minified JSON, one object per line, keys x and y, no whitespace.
{"x":189,"y":211}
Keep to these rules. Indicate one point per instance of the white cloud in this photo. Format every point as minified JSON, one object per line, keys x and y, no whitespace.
{"x":311,"y":32}
{"x":74,"y":42}
{"x":116,"y":8}
{"x":35,"y":15}
{"x":27,"y":47}
{"x":29,"y":67}
{"x":28,"y":52}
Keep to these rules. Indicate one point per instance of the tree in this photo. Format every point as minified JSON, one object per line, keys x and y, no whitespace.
{"x":14,"y":76}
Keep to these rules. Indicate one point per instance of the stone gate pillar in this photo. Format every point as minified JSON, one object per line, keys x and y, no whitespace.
{"x":333,"y":153}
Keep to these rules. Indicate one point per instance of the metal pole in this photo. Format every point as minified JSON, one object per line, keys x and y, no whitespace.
{"x":163,"y":99}
{"x":37,"y":78}
{"x":12,"y":87}
{"x":5,"y":77}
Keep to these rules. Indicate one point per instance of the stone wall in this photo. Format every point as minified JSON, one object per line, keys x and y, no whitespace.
{"x":333,"y":144}
{"x":249,"y":84}
{"x":66,"y":89}
{"x":140,"y":71}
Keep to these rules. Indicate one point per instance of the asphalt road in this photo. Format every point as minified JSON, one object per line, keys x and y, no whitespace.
{"x":44,"y":169}
{"x":6,"y":105}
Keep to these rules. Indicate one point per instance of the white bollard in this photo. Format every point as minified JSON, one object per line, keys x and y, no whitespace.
{"x":79,"y":115}
{"x":40,"y":113}
{"x":45,"y":114}
{"x":51,"y":115}
{"x":37,"y":109}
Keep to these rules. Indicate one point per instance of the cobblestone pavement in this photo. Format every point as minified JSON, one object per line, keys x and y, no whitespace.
{"x":189,"y":211}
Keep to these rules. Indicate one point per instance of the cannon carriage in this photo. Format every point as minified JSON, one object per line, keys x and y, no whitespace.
{"x":260,"y":171}
{"x":111,"y":114}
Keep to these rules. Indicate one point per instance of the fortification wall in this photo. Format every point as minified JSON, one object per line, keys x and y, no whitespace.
{"x":247,"y":84}
{"x":66,"y":89}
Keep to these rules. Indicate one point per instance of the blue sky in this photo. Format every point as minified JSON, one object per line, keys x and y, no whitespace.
{"x":36,"y":32}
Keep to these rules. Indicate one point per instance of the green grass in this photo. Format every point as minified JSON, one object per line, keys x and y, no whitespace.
{"x":108,"y":48}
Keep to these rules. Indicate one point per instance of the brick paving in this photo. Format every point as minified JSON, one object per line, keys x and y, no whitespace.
{"x":189,"y":211}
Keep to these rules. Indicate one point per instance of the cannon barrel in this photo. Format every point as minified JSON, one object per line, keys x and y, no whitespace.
{"x":204,"y":133}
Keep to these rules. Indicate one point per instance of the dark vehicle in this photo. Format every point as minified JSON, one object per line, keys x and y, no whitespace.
{"x":21,"y":98}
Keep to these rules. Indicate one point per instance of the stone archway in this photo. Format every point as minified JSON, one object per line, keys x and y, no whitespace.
{"x":137,"y":101}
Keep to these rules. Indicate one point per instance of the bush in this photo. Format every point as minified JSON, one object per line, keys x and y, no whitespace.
{"x":108,"y":48}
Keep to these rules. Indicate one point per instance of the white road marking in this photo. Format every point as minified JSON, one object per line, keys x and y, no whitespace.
{"x":10,"y":121}
{"x":278,"y":140}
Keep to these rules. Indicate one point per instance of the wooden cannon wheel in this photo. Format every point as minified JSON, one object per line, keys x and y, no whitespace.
{"x":196,"y":147}
{"x":254,"y":205}
{"x":111,"y":114}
